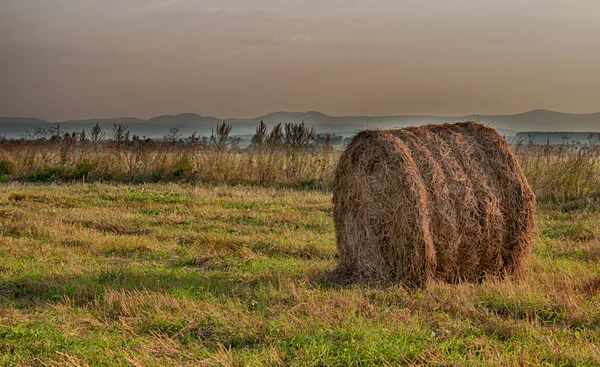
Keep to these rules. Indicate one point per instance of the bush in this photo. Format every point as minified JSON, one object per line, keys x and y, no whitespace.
{"x":183,"y":167}
{"x":83,"y":168}
{"x":7,"y":167}
{"x":46,"y":173}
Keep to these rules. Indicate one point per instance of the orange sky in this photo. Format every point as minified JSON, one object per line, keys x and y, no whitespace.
{"x":67,"y":59}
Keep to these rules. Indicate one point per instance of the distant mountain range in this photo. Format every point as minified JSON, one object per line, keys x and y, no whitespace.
{"x":157,"y":127}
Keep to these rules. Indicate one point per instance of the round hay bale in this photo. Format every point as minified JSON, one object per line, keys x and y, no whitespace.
{"x":446,"y":202}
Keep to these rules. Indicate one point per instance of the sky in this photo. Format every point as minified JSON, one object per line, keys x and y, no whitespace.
{"x":67,"y":59}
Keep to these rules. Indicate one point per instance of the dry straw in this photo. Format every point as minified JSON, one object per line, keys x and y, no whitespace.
{"x":446,"y":202}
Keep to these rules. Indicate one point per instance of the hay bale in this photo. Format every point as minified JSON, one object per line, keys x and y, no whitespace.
{"x":446,"y":202}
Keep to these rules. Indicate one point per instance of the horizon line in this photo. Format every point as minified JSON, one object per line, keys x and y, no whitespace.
{"x":293,"y":112}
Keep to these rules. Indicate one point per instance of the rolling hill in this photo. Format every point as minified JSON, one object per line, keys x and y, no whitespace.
{"x":157,"y":127}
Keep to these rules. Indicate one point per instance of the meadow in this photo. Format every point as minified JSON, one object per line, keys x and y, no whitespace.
{"x":215,"y":255}
{"x":167,"y":274}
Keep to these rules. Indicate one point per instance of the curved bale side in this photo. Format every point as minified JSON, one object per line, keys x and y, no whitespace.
{"x":446,"y":202}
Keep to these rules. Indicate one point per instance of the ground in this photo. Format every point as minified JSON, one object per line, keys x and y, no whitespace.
{"x":218,"y":275}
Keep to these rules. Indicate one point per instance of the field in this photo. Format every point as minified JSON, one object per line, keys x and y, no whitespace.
{"x":181,"y":274}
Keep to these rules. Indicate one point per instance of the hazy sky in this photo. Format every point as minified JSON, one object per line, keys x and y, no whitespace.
{"x":67,"y":59}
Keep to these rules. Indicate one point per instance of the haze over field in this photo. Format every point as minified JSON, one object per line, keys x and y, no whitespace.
{"x":68,"y":60}
{"x":346,"y":126}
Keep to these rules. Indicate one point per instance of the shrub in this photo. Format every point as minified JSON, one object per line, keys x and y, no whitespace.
{"x":7,"y":167}
{"x":47,"y":173}
{"x":183,"y":167}
{"x":83,"y":168}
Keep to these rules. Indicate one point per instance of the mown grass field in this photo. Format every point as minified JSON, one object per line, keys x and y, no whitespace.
{"x":167,"y":274}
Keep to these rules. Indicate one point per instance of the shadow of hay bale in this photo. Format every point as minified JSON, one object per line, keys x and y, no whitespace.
{"x":446,"y":202}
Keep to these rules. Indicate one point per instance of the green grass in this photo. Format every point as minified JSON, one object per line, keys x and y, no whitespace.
{"x":165,"y":274}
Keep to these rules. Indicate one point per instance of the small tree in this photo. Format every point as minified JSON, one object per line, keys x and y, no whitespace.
{"x":220,"y":136}
{"x":173,"y":136}
{"x":96,"y":134}
{"x":260,"y":136}
{"x":299,"y":135}
{"x":120,"y":134}
{"x":276,"y":137}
